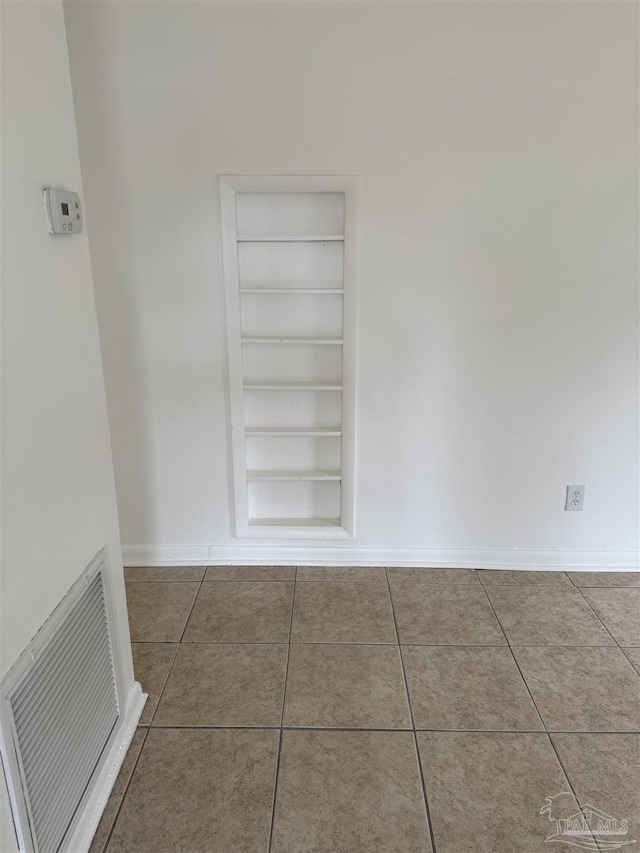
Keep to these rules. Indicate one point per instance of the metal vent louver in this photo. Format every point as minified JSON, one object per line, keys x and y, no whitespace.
{"x":61,"y":712}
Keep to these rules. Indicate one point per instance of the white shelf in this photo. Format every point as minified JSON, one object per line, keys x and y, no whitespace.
{"x":292,"y":386}
{"x":255,"y":339}
{"x":293,"y":458}
{"x":327,"y":238}
{"x":329,"y":291}
{"x":294,"y":475}
{"x":287,"y":431}
{"x":295,"y":522}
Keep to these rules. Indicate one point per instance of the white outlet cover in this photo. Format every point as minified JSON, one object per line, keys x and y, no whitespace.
{"x":575,"y":499}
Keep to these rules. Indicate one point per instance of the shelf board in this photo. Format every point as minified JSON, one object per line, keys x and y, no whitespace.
{"x":294,"y":475}
{"x":256,"y":339}
{"x":295,"y":522}
{"x":308,"y":431}
{"x":307,"y":238}
{"x":292,"y":386}
{"x":330,"y":291}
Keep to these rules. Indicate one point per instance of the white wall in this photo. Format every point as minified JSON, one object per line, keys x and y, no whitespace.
{"x":498,"y":344}
{"x":58,"y":495}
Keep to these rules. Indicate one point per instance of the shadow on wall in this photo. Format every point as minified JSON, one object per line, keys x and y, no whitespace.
{"x":118,"y":306}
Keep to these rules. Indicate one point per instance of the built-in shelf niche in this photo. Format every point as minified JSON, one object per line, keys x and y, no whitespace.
{"x":290,"y":275}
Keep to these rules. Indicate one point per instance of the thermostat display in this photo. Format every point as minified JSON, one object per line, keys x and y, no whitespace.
{"x":63,"y":210}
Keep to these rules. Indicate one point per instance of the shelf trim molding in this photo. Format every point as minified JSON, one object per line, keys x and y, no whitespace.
{"x":292,"y":386}
{"x":289,"y":431}
{"x":295,"y":291}
{"x":294,"y":522}
{"x":320,"y":474}
{"x":328,"y":238}
{"x":283,"y":339}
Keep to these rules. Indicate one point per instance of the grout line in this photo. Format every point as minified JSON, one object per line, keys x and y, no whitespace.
{"x":424,"y":791}
{"x":126,"y":789}
{"x":292,"y":728}
{"x":179,"y":643}
{"x":283,"y":642}
{"x":542,"y":720}
{"x":561,"y":645}
{"x":188,"y":619}
{"x":240,"y":580}
{"x":578,"y":589}
{"x":562,"y":767}
{"x":427,"y":583}
{"x":557,"y":645}
{"x":275,"y":792}
{"x":284,"y":699}
{"x":524,"y":681}
{"x":397,"y":644}
{"x":413,"y":724}
{"x":286,"y":670}
{"x":496,"y":617}
{"x":220,"y":727}
{"x":252,"y":580}
{"x":164,"y":685}
{"x":536,"y":584}
{"x":161,"y":580}
{"x":341,"y":580}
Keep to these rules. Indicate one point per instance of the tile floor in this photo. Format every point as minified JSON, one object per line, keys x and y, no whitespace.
{"x":355,"y":710}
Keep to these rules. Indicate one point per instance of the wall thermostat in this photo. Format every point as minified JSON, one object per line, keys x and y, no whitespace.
{"x":63,"y":211}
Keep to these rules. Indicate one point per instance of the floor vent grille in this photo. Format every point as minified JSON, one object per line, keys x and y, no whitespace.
{"x":61,"y":705}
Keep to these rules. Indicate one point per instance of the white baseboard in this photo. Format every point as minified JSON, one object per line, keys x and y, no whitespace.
{"x":80,"y":840}
{"x":348,"y":554}
{"x":167,"y":555}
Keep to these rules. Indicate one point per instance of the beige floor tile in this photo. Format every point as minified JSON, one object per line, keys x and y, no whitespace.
{"x":243,"y":612}
{"x":117,"y":792}
{"x":471,"y":688}
{"x":342,"y":612}
{"x":582,"y":689}
{"x":199,"y":791}
{"x":354,"y":686}
{"x":151,"y":665}
{"x":444,"y":614}
{"x":341,"y":573}
{"x":158,"y":612}
{"x":506,"y":577}
{"x":349,"y":792}
{"x":619,"y":610}
{"x":424,"y":575}
{"x":250,"y":573}
{"x":605,"y":578}
{"x":544,"y":615}
{"x":225,"y":685}
{"x":634,"y":657}
{"x":604,"y":771}
{"x":486,"y":790}
{"x":137,"y":574}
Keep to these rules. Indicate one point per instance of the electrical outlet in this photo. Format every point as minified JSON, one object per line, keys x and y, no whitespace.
{"x":575,"y":499}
